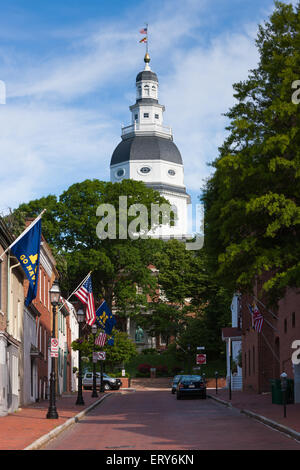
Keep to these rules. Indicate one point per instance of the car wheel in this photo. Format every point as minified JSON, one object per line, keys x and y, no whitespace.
{"x":106,"y":387}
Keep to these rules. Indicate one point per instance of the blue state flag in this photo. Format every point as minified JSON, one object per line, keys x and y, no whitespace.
{"x":105,"y":318}
{"x":27,"y":250}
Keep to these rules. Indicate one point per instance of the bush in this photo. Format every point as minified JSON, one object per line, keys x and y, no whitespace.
{"x":144,"y":369}
{"x":148,"y":351}
{"x":161,"y":371}
{"x":176,"y":370}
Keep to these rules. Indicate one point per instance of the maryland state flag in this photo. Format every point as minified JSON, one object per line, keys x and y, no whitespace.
{"x":26,"y":248}
{"x":105,"y":318}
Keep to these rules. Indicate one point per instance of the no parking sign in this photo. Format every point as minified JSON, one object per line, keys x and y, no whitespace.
{"x":54,"y":347}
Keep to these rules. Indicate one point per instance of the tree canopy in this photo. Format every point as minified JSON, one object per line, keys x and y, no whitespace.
{"x":252,"y":214}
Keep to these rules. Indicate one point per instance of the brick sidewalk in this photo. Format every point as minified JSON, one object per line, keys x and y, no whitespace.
{"x":262,"y":405}
{"x":22,"y":428}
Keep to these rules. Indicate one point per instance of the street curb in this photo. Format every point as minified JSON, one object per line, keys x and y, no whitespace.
{"x":41,"y":441}
{"x":279,"y":427}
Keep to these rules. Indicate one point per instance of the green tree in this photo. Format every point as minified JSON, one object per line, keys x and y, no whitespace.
{"x":122,"y":351}
{"x":252,"y":214}
{"x":118,"y":265}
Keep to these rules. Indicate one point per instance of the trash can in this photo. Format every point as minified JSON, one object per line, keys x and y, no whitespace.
{"x":276,"y":392}
{"x":277,"y":395}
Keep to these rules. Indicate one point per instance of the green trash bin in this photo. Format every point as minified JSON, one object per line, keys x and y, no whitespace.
{"x":276,"y":392}
{"x":277,"y":395}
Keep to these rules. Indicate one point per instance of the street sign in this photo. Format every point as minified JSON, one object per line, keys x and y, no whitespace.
{"x":99,"y":356}
{"x":54,"y":347}
{"x":200,"y":347}
{"x":201,"y":359}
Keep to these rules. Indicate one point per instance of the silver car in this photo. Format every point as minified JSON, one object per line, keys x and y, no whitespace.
{"x":110,"y":383}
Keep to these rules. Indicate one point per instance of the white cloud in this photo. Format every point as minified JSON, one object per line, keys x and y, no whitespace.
{"x":58,"y":126}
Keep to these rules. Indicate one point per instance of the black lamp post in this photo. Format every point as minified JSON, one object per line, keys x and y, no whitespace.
{"x":54,"y":299}
{"x":80,"y":319}
{"x":216,"y":375}
{"x":94,"y":394}
{"x":283,"y":378}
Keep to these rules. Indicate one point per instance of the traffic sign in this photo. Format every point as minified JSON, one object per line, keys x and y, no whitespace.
{"x":54,"y":347}
{"x":201,"y":359}
{"x":99,"y":356}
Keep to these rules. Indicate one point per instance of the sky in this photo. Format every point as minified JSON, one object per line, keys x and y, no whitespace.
{"x":69,"y":69}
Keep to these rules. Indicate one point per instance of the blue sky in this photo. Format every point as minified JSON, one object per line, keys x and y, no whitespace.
{"x":69,"y":67}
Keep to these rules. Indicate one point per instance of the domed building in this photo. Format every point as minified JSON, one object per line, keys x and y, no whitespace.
{"x":148,"y":153}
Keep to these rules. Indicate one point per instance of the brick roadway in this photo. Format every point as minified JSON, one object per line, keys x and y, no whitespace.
{"x":155,"y":420}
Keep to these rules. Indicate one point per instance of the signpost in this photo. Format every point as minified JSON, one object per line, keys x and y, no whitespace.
{"x":201,"y":359}
{"x":54,"y":347}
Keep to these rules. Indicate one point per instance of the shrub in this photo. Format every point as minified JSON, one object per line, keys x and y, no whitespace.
{"x":161,"y":371}
{"x":144,"y":368}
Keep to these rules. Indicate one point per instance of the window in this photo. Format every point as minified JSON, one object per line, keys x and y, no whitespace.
{"x":119,"y":173}
{"x":146,"y":115}
{"x":136,"y":117}
{"x":172,"y":172}
{"x":293,"y":320}
{"x":145,"y":169}
{"x":147,"y":90}
{"x":249,"y":362}
{"x":156,"y":116}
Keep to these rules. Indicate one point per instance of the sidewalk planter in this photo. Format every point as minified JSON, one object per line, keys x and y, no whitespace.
{"x":277,"y":396}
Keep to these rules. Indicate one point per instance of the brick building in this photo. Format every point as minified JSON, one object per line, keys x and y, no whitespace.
{"x":267,"y":354}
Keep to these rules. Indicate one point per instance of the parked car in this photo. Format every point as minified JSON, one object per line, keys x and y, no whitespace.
{"x":191,"y":385}
{"x":175,"y":382}
{"x":110,"y":383}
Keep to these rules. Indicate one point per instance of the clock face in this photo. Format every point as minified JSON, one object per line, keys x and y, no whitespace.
{"x":172,"y":172}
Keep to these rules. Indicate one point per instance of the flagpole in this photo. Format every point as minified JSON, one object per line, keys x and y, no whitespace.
{"x":147,"y":39}
{"x":79,"y":285}
{"x":23,"y":233}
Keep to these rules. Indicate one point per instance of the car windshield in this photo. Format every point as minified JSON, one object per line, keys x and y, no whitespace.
{"x":187,"y":378}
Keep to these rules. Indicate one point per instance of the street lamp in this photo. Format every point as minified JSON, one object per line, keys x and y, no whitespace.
{"x":80,"y":319}
{"x":283,"y":378}
{"x":54,"y":299}
{"x":216,"y":375}
{"x":94,"y":394}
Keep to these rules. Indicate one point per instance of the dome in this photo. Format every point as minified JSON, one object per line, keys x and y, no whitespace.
{"x":146,"y":148}
{"x":146,"y":75}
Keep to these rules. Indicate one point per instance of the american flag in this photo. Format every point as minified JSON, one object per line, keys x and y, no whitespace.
{"x":85,"y":294}
{"x":258,"y":319}
{"x":100,"y":341}
{"x":144,"y":31}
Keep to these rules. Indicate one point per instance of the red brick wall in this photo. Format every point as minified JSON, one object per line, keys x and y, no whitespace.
{"x":289,"y":328}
